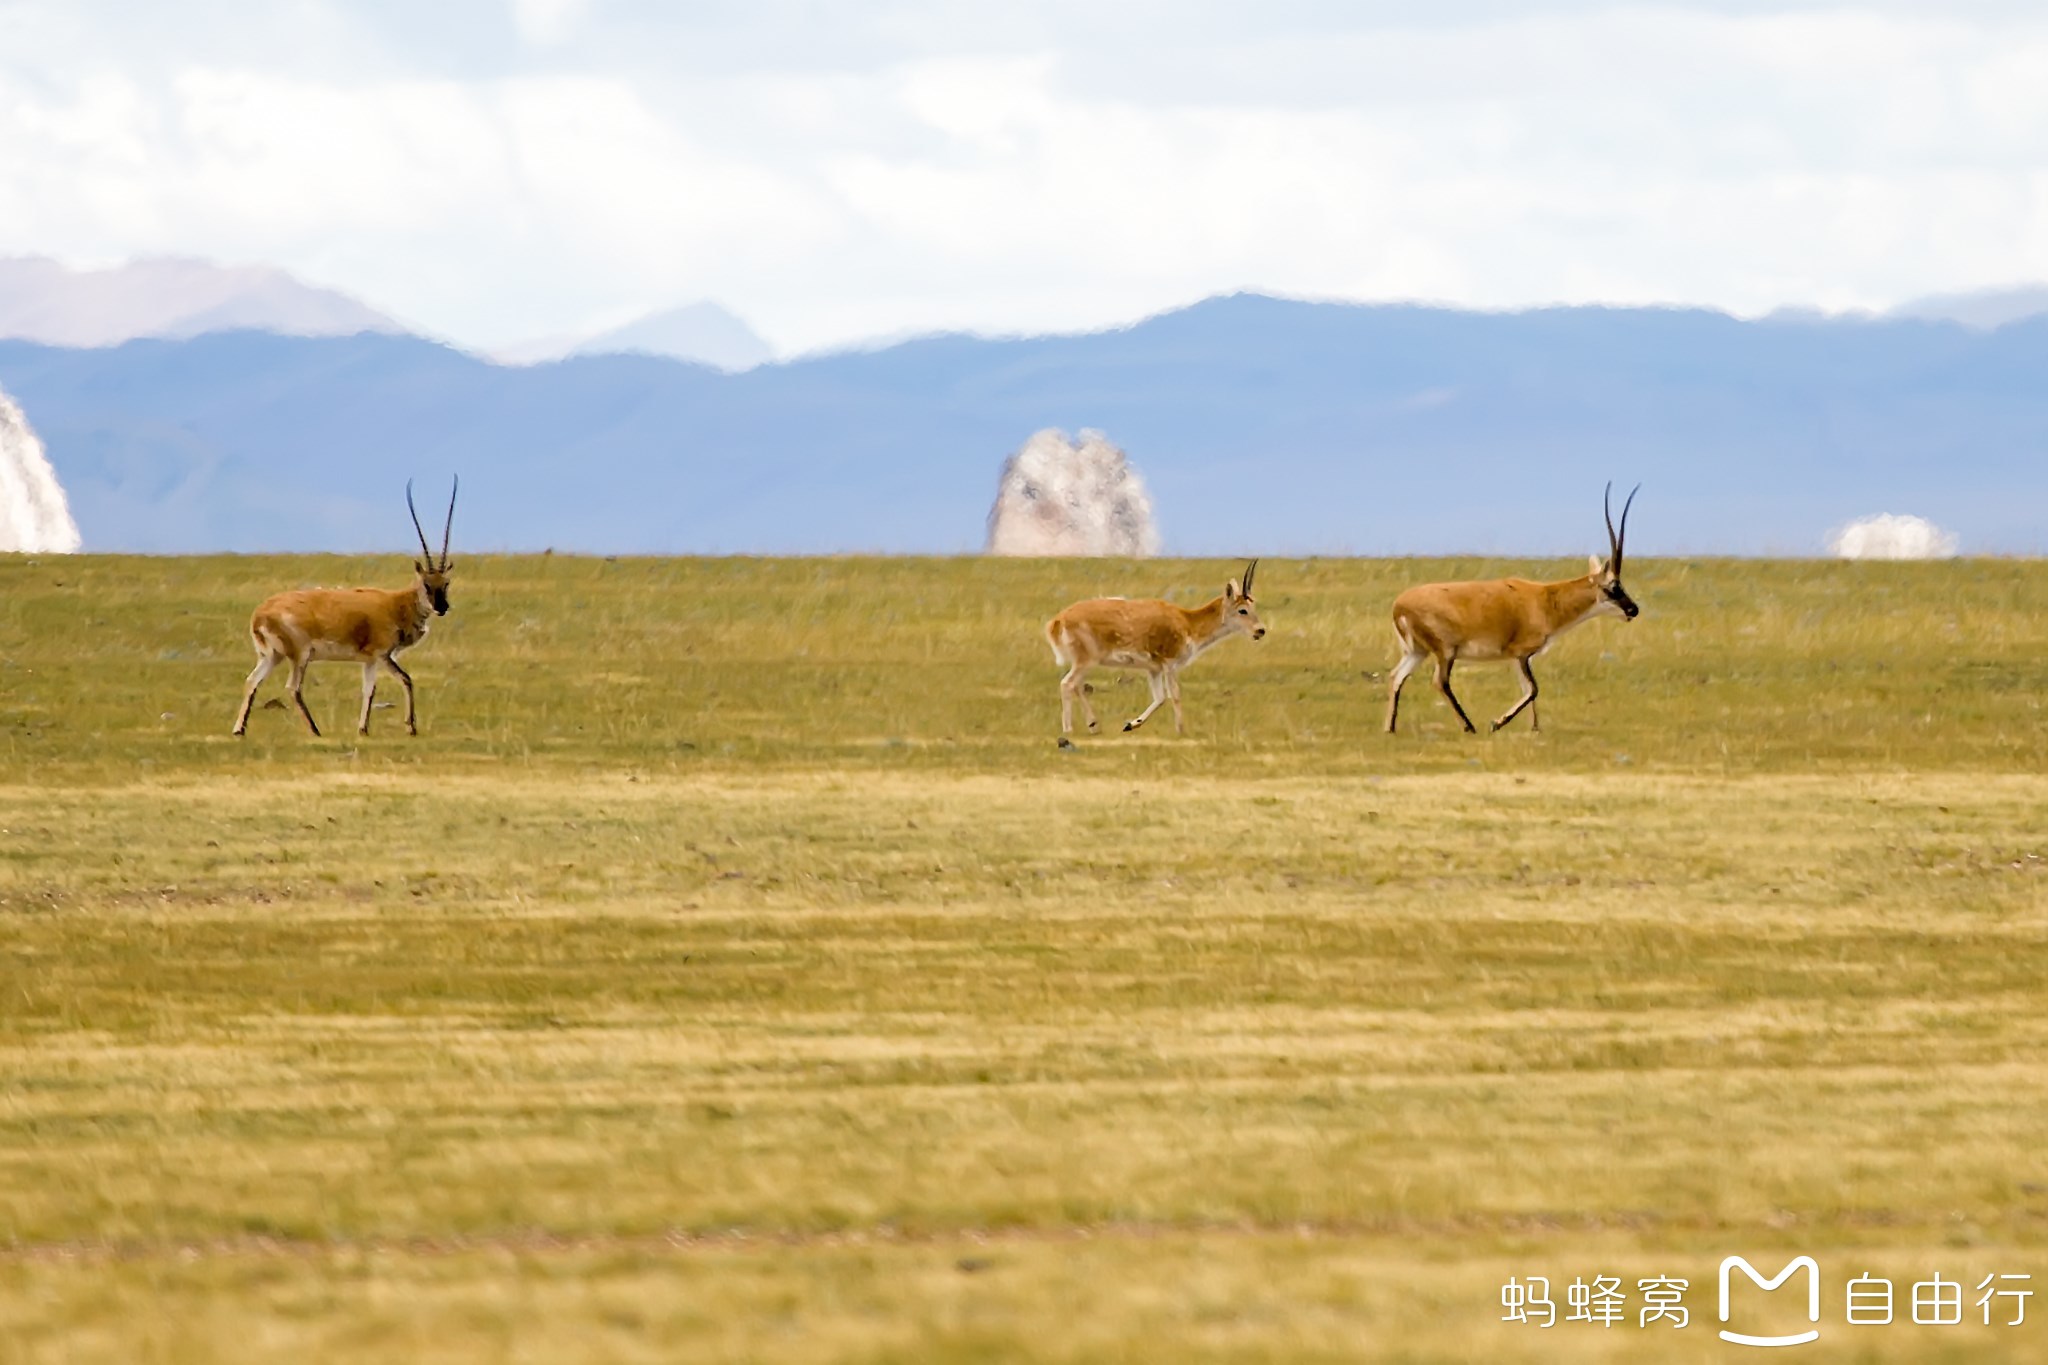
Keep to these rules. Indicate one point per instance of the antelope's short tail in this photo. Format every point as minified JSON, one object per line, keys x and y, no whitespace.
{"x":268,"y":633}
{"x":260,"y":636}
{"x":1057,"y":638}
{"x":1402,"y":635}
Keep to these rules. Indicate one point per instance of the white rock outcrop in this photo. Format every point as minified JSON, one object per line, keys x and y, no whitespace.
{"x":34,"y":515}
{"x":1063,"y":497}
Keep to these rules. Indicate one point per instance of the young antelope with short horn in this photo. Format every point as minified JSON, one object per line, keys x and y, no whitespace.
{"x":1148,"y":634}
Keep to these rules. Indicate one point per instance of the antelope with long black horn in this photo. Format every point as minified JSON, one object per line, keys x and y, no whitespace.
{"x":359,"y":625}
{"x":1505,"y":620}
{"x":1147,"y":634}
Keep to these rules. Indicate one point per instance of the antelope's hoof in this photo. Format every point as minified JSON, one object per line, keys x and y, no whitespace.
{"x":1094,"y":728}
{"x":1493,"y":727}
{"x":1130,"y":725}
{"x":1066,"y":743}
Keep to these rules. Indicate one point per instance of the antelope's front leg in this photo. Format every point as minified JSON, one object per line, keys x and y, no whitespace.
{"x":1528,"y":698}
{"x":1157,"y":683}
{"x":411,"y":725}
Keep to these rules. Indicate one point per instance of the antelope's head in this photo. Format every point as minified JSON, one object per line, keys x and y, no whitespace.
{"x":1606,"y":573}
{"x":1239,"y":613}
{"x":433,"y":577}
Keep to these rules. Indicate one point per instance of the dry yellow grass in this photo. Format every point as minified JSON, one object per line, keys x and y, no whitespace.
{"x":721,"y":976}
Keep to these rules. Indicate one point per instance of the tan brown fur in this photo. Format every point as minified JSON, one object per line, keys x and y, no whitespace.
{"x":1147,"y":634}
{"x":1502,"y":620}
{"x":367,"y":626}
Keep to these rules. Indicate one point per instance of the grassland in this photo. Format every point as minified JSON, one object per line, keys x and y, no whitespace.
{"x":734,"y":969}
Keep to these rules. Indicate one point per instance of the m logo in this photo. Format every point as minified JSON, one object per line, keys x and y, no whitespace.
{"x":1798,"y":1263}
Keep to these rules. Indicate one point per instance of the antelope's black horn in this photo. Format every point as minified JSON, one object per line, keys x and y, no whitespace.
{"x":450,"y":527}
{"x":416,"y":524}
{"x":1621,"y":538}
{"x":1249,"y":570}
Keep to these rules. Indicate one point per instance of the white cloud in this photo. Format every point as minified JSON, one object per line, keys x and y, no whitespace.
{"x":545,"y":23}
{"x":498,"y":205}
{"x":1075,"y":165}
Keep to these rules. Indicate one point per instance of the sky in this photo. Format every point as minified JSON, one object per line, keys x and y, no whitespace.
{"x":492,"y":171}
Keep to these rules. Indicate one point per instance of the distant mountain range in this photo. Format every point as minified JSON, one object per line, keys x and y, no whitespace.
{"x":42,"y":300}
{"x":174,"y":296}
{"x":703,"y":333}
{"x":1261,"y":425}
{"x":1982,"y":308}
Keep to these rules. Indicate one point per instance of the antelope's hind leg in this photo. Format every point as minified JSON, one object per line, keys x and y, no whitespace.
{"x":1173,"y":695}
{"x":1401,"y":672}
{"x":264,"y":663}
{"x":1443,"y":685}
{"x":297,"y":684}
{"x":1072,"y":686}
{"x":369,"y":692}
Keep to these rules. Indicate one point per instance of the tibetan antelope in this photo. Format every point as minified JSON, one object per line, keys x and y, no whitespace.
{"x":1505,"y":619}
{"x":361,"y":625}
{"x":1156,"y":636}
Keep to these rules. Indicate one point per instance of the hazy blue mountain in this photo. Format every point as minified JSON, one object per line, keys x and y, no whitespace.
{"x":702,"y":333}
{"x":1260,"y":425}
{"x":168,"y":296}
{"x":1986,"y":308}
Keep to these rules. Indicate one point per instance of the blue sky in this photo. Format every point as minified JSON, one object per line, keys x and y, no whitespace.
{"x":496,"y":170}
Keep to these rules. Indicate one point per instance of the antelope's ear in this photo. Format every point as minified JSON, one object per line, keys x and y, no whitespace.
{"x":1231,"y":592}
{"x":416,"y":567}
{"x":1595,"y":564}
